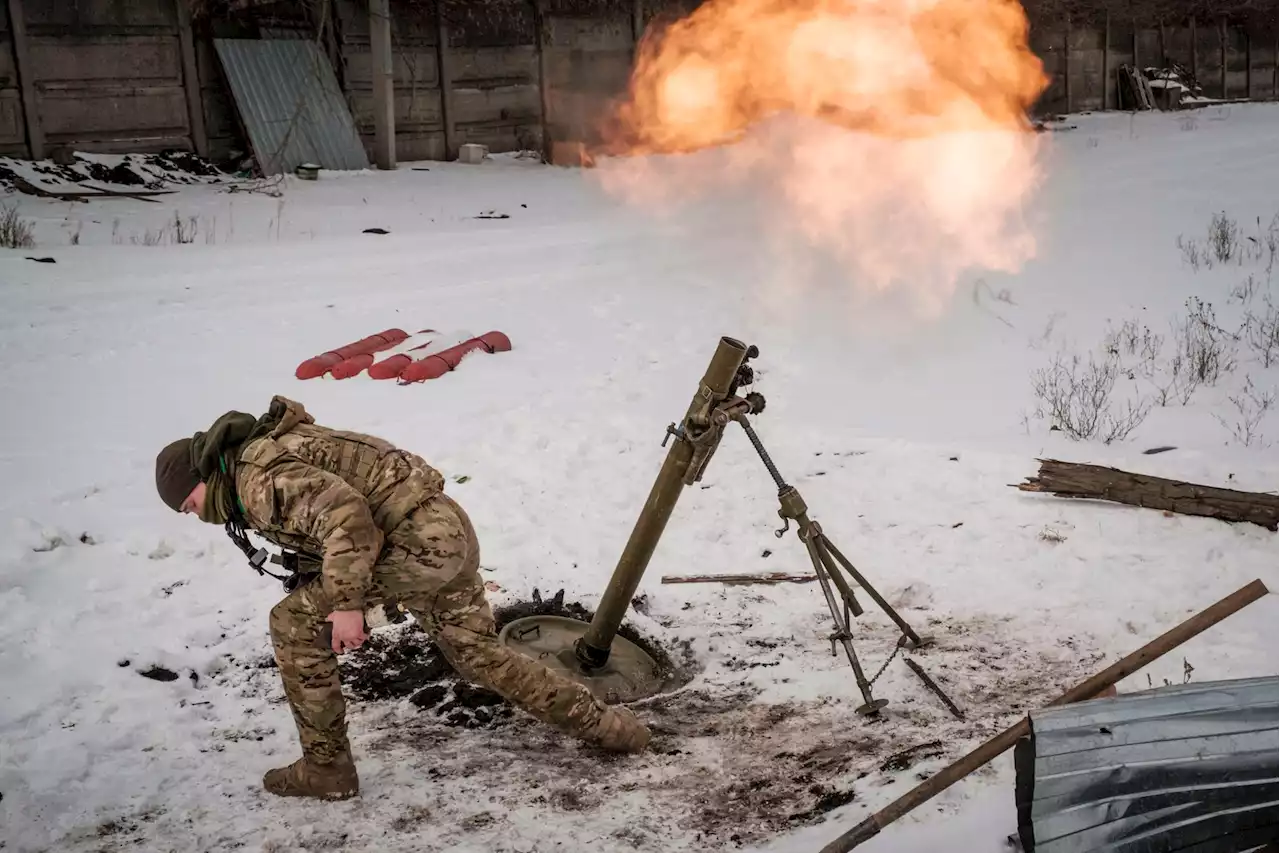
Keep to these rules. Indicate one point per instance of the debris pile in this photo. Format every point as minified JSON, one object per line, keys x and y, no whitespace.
{"x":1176,"y":82}
{"x":144,"y":171}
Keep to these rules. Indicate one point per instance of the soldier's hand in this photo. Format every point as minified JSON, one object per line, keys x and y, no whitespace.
{"x":348,"y":629}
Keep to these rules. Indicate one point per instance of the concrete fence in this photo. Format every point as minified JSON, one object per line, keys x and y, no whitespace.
{"x":142,"y":75}
{"x":1229,"y":62}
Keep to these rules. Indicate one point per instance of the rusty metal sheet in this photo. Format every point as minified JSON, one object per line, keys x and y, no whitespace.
{"x":1182,"y":768}
{"x":290,"y":104}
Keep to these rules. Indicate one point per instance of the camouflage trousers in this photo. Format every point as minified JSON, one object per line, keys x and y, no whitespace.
{"x":430,"y":564}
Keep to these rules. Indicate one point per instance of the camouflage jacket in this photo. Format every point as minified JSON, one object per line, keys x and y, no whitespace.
{"x":331,"y":494}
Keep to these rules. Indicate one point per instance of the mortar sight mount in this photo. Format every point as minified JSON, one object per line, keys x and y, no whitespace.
{"x":618,"y":670}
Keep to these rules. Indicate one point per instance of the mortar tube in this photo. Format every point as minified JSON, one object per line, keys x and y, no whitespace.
{"x":592,"y":651}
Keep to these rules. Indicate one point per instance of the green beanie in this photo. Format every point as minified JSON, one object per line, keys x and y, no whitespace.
{"x":175,"y":475}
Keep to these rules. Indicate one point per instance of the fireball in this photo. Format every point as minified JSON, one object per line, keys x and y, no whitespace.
{"x":890,"y":133}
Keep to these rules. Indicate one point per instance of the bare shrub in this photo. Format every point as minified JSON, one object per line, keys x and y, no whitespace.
{"x":1174,"y":383}
{"x":148,"y":238}
{"x":1262,"y":331}
{"x":1245,"y":290}
{"x":15,"y":232}
{"x":180,"y":232}
{"x":1076,"y":397}
{"x":1139,"y":344}
{"x":1224,"y":242}
{"x":1251,"y":405}
{"x":1270,"y":241}
{"x":1224,"y":238}
{"x":1202,"y":353}
{"x":1262,"y":246}
{"x":1191,"y":252}
{"x":184,"y":232}
{"x":1207,"y":348}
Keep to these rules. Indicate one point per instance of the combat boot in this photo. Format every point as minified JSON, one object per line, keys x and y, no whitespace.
{"x":304,"y":778}
{"x":619,"y":730}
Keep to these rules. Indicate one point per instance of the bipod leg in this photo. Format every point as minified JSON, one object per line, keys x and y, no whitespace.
{"x":916,"y":641}
{"x":791,"y":507}
{"x":871,"y":706}
{"x":821,"y":542}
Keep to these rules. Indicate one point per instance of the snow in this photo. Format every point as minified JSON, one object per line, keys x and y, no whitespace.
{"x":903,"y":431}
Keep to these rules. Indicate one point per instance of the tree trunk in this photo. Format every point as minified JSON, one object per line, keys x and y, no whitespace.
{"x":1076,"y":480}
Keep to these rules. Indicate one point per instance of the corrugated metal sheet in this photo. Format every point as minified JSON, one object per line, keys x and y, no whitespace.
{"x":290,"y":104}
{"x":1184,"y":768}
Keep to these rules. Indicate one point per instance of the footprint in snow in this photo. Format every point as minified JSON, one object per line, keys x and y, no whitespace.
{"x":162,"y":551}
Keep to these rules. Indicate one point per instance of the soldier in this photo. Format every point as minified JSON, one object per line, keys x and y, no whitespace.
{"x":376,"y":520}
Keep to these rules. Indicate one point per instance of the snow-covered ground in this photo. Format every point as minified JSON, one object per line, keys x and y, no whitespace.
{"x":903,"y":430}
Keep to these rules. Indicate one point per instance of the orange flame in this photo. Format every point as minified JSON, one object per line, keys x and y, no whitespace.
{"x":912,"y":153}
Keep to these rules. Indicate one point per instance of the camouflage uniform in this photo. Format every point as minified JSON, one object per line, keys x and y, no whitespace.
{"x":387,"y":533}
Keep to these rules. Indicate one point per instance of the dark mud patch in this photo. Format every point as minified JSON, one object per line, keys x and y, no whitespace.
{"x":123,"y":831}
{"x":746,"y":771}
{"x":395,"y":664}
{"x":726,"y":768}
{"x":723,"y":768}
{"x":406,"y":663}
{"x":829,"y":799}
{"x":159,"y":673}
{"x":905,"y":759}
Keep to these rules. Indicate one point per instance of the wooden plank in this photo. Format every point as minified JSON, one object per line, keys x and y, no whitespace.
{"x":191,"y":80}
{"x":26,"y":80}
{"x":444,"y":72}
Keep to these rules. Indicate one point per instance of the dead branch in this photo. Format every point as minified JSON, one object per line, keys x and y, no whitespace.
{"x":763,"y":577}
{"x":1078,"y":480}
